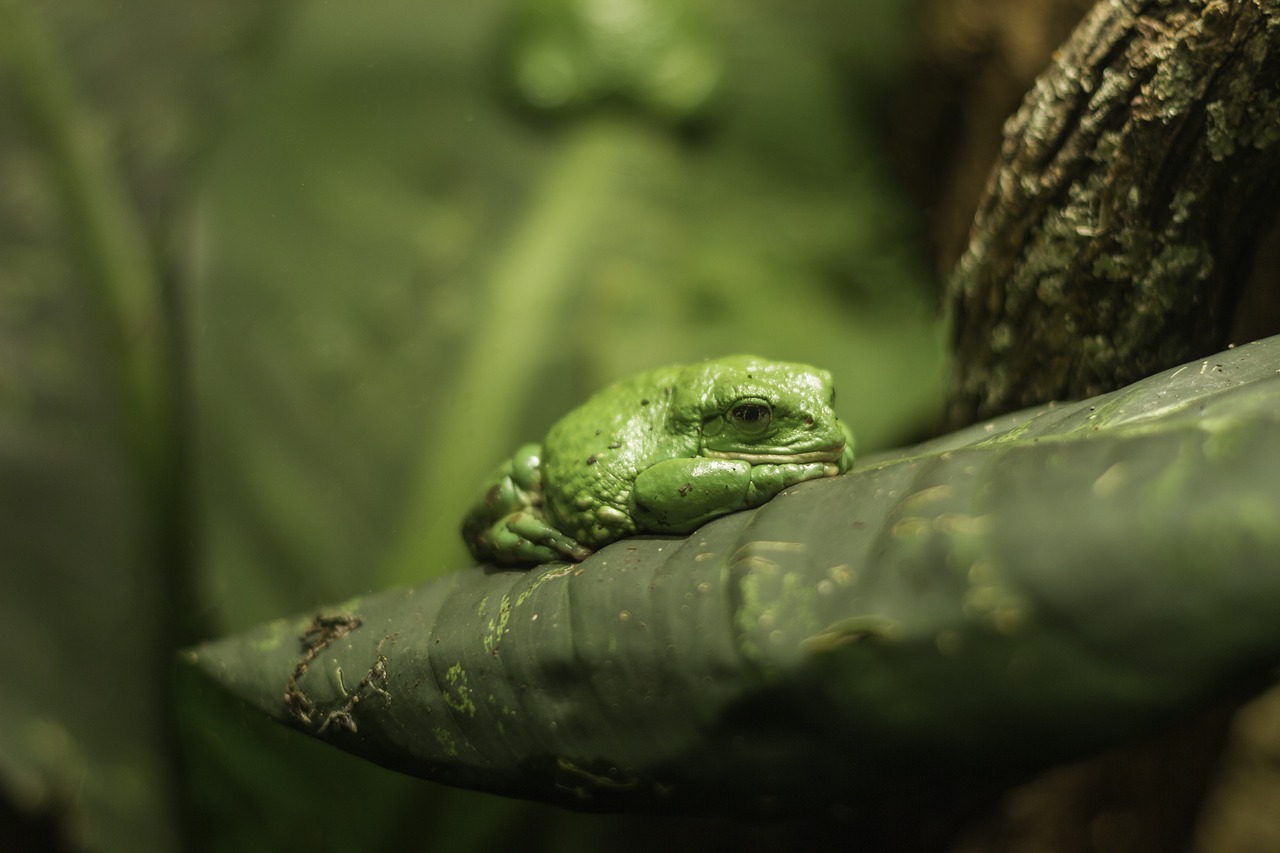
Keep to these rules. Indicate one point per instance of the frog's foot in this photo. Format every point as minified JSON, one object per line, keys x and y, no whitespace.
{"x":525,"y":537}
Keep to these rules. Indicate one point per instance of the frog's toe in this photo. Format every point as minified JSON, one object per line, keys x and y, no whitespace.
{"x":523,"y":538}
{"x":534,"y":530}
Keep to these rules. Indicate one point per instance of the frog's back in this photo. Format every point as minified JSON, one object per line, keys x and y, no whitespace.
{"x":593,"y":454}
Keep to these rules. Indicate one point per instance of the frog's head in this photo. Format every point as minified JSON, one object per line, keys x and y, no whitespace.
{"x":762,"y":412}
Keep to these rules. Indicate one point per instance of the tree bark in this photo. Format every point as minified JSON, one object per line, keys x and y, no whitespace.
{"x":1118,"y":225}
{"x":974,"y":62}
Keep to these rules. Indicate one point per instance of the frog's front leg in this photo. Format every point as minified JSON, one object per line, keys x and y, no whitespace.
{"x":768,"y":480}
{"x":509,"y":525}
{"x":526,"y":537}
{"x":679,"y":495}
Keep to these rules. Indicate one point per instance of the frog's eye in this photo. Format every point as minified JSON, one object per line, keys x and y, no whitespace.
{"x":751,"y":416}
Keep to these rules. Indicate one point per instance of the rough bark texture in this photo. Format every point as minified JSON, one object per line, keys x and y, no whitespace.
{"x":1115,"y":233}
{"x":975,"y":62}
{"x":1131,"y":191}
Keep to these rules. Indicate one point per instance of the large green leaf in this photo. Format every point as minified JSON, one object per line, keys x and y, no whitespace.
{"x":1019,"y":593}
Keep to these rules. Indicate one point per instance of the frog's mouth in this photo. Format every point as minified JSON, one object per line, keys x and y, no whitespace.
{"x":829,"y":454}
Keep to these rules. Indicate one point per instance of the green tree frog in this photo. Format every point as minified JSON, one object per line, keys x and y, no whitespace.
{"x":661,"y":452}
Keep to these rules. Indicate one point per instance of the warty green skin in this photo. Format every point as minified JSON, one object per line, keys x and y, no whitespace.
{"x":662,"y":452}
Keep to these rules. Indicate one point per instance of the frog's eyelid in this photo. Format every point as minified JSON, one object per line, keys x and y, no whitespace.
{"x":751,"y":404}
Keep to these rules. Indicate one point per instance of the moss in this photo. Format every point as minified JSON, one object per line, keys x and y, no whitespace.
{"x":1185,"y":203}
{"x":458,"y":696}
{"x":497,"y":627}
{"x":1264,"y":121}
{"x":1220,"y":130}
{"x":447,"y":744}
{"x":1175,"y":263}
{"x":1177,"y":85}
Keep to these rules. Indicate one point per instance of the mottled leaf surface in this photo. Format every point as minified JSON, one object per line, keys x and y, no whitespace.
{"x":1019,"y":593}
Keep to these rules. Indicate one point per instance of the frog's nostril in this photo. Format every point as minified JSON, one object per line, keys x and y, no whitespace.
{"x":808,"y":422}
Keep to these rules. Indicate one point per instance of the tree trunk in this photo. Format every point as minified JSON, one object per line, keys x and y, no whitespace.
{"x":1113,"y":240}
{"x":1121,"y":218}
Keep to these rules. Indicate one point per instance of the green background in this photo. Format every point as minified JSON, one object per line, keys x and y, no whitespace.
{"x":368,"y":271}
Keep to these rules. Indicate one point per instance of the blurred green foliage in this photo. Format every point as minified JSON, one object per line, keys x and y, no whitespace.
{"x":279,"y":285}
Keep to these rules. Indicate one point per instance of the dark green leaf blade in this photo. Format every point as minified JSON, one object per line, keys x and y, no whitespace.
{"x":1005,"y":598}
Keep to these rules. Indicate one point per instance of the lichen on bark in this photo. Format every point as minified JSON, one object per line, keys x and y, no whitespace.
{"x":1118,"y":224}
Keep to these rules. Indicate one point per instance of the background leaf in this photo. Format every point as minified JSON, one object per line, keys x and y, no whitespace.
{"x":91,"y":605}
{"x":339,"y":207}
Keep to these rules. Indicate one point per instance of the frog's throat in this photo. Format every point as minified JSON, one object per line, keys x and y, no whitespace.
{"x":831,"y":454}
